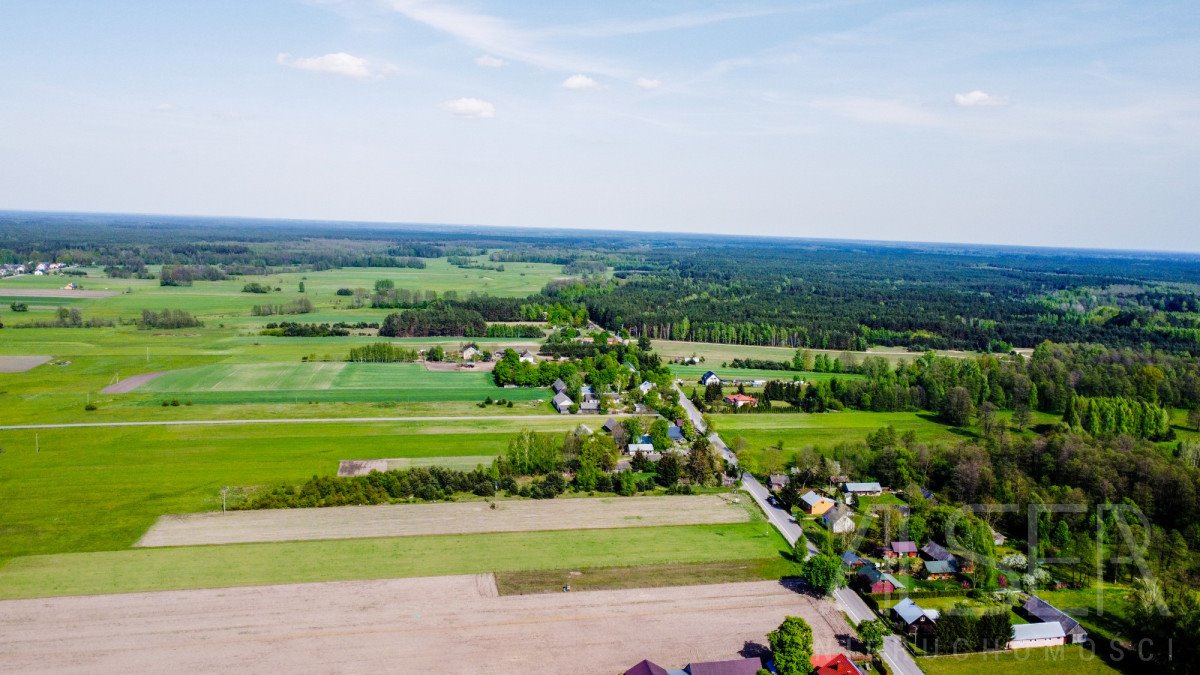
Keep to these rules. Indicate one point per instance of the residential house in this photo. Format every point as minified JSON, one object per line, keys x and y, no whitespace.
{"x":934,"y":551}
{"x":833,"y":664}
{"x":645,"y":386}
{"x":470,"y":354}
{"x":1044,"y":611}
{"x":853,"y":560}
{"x":940,"y":569}
{"x":559,"y":386}
{"x":839,"y":519}
{"x":646,"y":667}
{"x":562,"y":402}
{"x":871,"y":579}
{"x":610,"y":425}
{"x":709,"y":378}
{"x":912,"y":619}
{"x":776,"y":482}
{"x":815,"y":504}
{"x":741,"y":401}
{"x":863,"y":489}
{"x":590,"y":405}
{"x":645,"y":448}
{"x":528,"y":357}
{"x":747,"y":666}
{"x":675,"y":433}
{"x":1028,"y":635}
{"x":901,"y":549}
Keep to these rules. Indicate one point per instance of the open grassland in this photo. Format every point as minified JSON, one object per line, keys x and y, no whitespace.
{"x":1074,"y":659}
{"x":406,"y":520}
{"x":87,"y":489}
{"x":822,"y":430}
{"x":715,"y":354}
{"x":448,"y":625}
{"x":691,"y":374}
{"x":148,"y":569}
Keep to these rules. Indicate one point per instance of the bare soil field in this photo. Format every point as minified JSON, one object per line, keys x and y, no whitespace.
{"x":18,"y":292}
{"x":426,"y":625}
{"x":453,"y":367}
{"x":20,"y":364}
{"x":129,"y":384}
{"x":401,"y":520}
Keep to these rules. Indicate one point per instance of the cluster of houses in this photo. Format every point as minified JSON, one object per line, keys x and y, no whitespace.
{"x":36,"y":269}
{"x":1048,"y":625}
{"x":822,"y":664}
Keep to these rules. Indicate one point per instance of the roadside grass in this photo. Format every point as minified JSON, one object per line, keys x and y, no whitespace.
{"x":645,"y":576}
{"x":350,"y":559}
{"x":1075,"y":659}
{"x":94,"y":489}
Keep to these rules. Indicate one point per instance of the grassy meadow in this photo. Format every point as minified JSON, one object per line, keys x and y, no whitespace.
{"x":1075,"y":659}
{"x":715,"y":354}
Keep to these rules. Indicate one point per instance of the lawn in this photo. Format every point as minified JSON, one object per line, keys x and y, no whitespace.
{"x":1074,"y":659}
{"x":309,"y":561}
{"x":85,"y":489}
{"x":1104,"y":607}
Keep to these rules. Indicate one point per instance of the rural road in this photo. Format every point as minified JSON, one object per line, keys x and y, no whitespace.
{"x":894,"y":652}
{"x":297,"y":420}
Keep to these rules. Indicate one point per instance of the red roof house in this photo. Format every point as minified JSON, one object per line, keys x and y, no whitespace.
{"x":833,"y":664}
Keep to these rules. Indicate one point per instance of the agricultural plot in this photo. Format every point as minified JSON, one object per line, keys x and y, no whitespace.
{"x":714,"y":354}
{"x":21,"y":364}
{"x":691,"y":374}
{"x":800,"y":430}
{"x":403,"y":520}
{"x":428,"y":625}
{"x":1075,"y":659}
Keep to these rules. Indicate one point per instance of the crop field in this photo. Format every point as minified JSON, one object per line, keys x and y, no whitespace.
{"x":173,"y":568}
{"x":95,"y":489}
{"x":405,"y":520}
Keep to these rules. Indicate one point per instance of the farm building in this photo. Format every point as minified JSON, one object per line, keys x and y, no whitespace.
{"x":838,"y":520}
{"x":833,"y":664}
{"x":1037,"y":608}
{"x":914,"y":620}
{"x":583,"y":430}
{"x":863,"y":489}
{"x":709,"y":378}
{"x":1027,"y":635}
{"x":815,"y":504}
{"x":741,"y":401}
{"x":901,"y":549}
{"x":562,"y":402}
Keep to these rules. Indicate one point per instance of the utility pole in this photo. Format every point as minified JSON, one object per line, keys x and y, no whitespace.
{"x":224,"y":490}
{"x":37,"y":444}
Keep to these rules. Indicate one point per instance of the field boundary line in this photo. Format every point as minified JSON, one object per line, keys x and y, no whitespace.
{"x":309,"y":420}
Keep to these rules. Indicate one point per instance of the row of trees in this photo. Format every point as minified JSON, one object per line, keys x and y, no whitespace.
{"x":169,"y":318}
{"x":297,"y":306}
{"x":435,"y":321}
{"x":382,"y":352}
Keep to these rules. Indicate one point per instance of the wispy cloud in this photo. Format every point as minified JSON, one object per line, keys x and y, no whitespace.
{"x":604,"y":29}
{"x":979,"y":98}
{"x":489,"y":61}
{"x":580,"y":81}
{"x":470,"y":108}
{"x":340,"y":63}
{"x":647,"y":83}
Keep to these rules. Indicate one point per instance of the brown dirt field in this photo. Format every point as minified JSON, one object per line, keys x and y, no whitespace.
{"x":429,"y":625}
{"x":453,"y":366}
{"x":130,"y":383}
{"x":16,"y":292}
{"x":401,"y":520}
{"x":20,"y":364}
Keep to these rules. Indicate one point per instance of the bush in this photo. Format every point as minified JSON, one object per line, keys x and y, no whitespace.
{"x":90,"y":407}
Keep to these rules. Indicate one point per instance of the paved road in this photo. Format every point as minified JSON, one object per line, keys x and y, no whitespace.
{"x":306,"y":420}
{"x":894,"y":652}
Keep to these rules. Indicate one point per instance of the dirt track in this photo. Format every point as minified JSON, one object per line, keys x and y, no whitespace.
{"x":430,"y":625}
{"x":130,"y":383}
{"x":455,"y":518}
{"x":20,"y":364}
{"x":18,"y":292}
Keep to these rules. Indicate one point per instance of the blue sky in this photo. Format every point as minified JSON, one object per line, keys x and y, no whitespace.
{"x":1056,"y":123}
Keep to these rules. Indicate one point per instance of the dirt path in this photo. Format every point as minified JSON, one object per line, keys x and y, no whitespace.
{"x":403,"y":520}
{"x":130,"y":383}
{"x":18,"y":292}
{"x":314,"y":420}
{"x":430,"y":625}
{"x":20,"y":364}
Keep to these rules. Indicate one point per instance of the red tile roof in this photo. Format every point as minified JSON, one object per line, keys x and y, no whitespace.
{"x":833,"y":664}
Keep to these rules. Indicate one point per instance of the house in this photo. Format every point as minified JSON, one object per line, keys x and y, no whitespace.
{"x":863,"y":489}
{"x":909,"y":616}
{"x":776,"y":482}
{"x":590,"y":405}
{"x":559,"y":386}
{"x":562,"y":402}
{"x":1044,"y":611}
{"x":852,"y":560}
{"x":871,"y":579}
{"x":1027,"y":635}
{"x":639,"y":447}
{"x":741,"y":401}
{"x":528,"y":357}
{"x":645,"y":386}
{"x":747,"y":666}
{"x":709,"y":378}
{"x":646,"y":667}
{"x":815,"y":504}
{"x":833,"y":664}
{"x":934,"y":551}
{"x":610,"y":425}
{"x":839,"y":519}
{"x":675,"y":433}
{"x":470,"y":353}
{"x":940,"y":569}
{"x":901,"y":549}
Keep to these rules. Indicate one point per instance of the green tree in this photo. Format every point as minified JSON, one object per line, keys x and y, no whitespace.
{"x":824,"y":573}
{"x":301,"y":286}
{"x":1194,"y":418}
{"x":792,"y":646}
{"x":958,"y":407}
{"x":871,"y":633}
{"x":667,"y":471}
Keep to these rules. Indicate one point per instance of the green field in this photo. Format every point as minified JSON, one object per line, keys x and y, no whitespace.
{"x":691,"y":374}
{"x":1074,"y":659}
{"x":715,"y":354}
{"x":83,"y":489}
{"x":1103,"y":608}
{"x":295,"y":562}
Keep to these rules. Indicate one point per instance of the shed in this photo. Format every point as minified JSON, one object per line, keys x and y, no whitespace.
{"x":1044,"y":611}
{"x":1027,"y":635}
{"x":559,"y":386}
{"x":610,"y":425}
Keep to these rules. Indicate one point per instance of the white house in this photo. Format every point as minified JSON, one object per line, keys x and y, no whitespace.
{"x":563,"y":403}
{"x":470,"y":353}
{"x":709,"y":378}
{"x":528,"y":357}
{"x":639,"y":447}
{"x":1045,"y":634}
{"x":645,"y":387}
{"x":838,"y":520}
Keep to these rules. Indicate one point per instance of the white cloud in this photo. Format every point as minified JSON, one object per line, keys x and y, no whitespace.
{"x":979,"y":98}
{"x":164,"y":107}
{"x":340,"y":63}
{"x":489,"y":61}
{"x":648,"y":83}
{"x":579,"y":81}
{"x":470,"y":108}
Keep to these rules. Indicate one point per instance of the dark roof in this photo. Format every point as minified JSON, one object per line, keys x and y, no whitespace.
{"x":850,"y":557}
{"x":558,"y":385}
{"x":1043,"y":610}
{"x":645,"y":667}
{"x":674,"y":433}
{"x":748,"y":666}
{"x":610,"y":425}
{"x":935,"y":551}
{"x":904,"y":547}
{"x":941,"y":567}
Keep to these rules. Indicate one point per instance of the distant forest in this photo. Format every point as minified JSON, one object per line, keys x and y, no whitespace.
{"x":738,"y":290}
